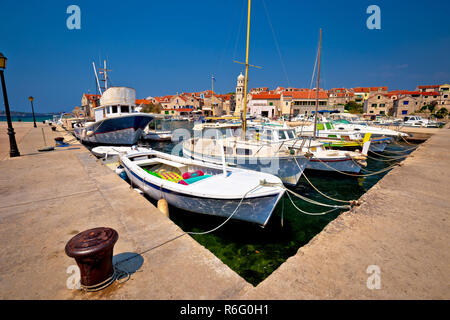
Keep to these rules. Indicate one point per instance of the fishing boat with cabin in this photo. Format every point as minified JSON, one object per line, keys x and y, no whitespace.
{"x":116,"y":121}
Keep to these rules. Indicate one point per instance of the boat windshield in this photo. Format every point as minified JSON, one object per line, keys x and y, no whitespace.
{"x":286,"y":135}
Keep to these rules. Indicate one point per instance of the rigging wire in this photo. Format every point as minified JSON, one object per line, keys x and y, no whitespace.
{"x":276,"y":43}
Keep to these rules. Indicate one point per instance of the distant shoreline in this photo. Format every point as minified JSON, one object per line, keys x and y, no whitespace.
{"x":26,"y":118}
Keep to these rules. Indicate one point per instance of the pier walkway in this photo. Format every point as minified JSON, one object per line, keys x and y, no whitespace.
{"x":48,"y":197}
{"x":402,"y":227}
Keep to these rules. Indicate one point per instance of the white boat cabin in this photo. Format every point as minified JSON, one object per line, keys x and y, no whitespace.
{"x":116,"y":102}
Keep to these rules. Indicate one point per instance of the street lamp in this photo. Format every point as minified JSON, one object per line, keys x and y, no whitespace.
{"x":13,"y":150}
{"x":32,"y":109}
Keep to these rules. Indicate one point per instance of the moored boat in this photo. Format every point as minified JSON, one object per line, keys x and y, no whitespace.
{"x":116,"y":122}
{"x":203,"y":187}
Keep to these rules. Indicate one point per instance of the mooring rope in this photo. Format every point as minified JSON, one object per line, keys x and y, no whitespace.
{"x":310,"y":213}
{"x":355,"y":175}
{"x":390,"y":157}
{"x":314,"y":187}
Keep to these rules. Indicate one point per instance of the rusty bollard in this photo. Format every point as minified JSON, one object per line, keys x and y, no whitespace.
{"x":93,"y":251}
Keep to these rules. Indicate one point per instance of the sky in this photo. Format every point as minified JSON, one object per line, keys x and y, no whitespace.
{"x":165,"y":47}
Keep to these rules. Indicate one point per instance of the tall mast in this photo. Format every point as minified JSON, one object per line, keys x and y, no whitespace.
{"x":212,"y":95}
{"x":244,"y":119}
{"x":96,"y":77}
{"x":317,"y":87}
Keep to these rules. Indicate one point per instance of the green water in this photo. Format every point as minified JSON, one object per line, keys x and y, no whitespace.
{"x":254,"y":252}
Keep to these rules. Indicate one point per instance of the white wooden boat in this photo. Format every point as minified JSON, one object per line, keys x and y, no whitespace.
{"x":211,"y":141}
{"x":112,"y":151}
{"x":204,"y":188}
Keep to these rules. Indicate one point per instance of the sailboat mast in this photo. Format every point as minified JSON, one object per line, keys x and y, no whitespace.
{"x":96,"y":77}
{"x":244,"y":119}
{"x":317,"y":87}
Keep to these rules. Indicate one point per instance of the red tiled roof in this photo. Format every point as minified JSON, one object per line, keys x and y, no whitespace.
{"x":428,"y":87}
{"x":265,"y":96}
{"x":309,"y":94}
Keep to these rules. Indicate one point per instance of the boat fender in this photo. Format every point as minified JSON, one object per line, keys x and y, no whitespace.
{"x":119,"y":169}
{"x":163,"y":206}
{"x":188,"y":175}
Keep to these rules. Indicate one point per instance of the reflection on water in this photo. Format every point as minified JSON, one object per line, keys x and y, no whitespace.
{"x":255,"y":252}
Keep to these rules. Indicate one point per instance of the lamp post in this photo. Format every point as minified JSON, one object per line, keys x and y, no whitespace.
{"x":13,"y":150}
{"x":32,"y":109}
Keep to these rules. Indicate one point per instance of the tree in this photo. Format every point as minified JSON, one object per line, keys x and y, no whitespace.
{"x":151,"y":108}
{"x":441,"y":113}
{"x":354,"y":107}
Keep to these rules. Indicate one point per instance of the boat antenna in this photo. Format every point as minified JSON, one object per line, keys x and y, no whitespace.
{"x":244,"y":114}
{"x":317,"y":88}
{"x":104,"y":71}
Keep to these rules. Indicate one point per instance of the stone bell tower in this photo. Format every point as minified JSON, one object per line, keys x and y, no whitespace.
{"x":239,"y":94}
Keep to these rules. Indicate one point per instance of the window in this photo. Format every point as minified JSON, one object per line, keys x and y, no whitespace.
{"x":267,"y":135}
{"x":281,"y":135}
{"x":446,"y":96}
{"x":290,"y":134}
{"x":246,"y":152}
{"x":125,"y":109}
{"x":374,"y":105}
{"x":382,"y":105}
{"x":114,"y":109}
{"x":405,"y":102}
{"x":379,"y":97}
{"x":404,"y":111}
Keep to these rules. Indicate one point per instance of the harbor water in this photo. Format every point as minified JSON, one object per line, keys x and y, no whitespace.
{"x":254,"y":252}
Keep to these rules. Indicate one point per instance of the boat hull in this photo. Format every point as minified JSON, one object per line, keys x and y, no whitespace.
{"x":124,"y":130}
{"x":288,"y":169}
{"x":255,"y":210}
{"x":344,"y":165}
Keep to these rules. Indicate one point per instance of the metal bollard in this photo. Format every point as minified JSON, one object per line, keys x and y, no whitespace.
{"x":93,"y":251}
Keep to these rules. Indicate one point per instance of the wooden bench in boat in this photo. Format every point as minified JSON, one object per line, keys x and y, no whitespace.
{"x":162,"y":161}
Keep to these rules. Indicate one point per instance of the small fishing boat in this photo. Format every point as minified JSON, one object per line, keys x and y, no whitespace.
{"x":204,"y":188}
{"x":342,"y":139}
{"x":320,"y":158}
{"x":112,"y":151}
{"x":363,"y":128}
{"x":159,"y":129}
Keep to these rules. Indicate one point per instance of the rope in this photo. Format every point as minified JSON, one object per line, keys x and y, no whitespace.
{"x":310,"y":213}
{"x":318,"y":203}
{"x":223,"y":223}
{"x":403,"y":138}
{"x":385,"y":169}
{"x":390,"y":157}
{"x":276,"y":44}
{"x":401,"y":151}
{"x":355,"y":175}
{"x":385,"y":160}
{"x":323,"y":194}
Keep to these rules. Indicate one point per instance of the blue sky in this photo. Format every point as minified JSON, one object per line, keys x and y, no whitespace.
{"x":165,"y":47}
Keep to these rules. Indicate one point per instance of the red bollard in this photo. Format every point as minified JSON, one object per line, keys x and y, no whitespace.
{"x":93,"y":251}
